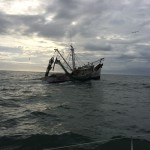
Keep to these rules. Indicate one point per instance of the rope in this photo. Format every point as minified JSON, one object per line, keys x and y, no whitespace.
{"x":131,"y":143}
{"x":94,"y":142}
{"x":79,"y":60}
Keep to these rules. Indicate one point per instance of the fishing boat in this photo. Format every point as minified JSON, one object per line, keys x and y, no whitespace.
{"x":72,"y":72}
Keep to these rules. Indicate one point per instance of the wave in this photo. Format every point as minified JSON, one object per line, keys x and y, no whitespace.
{"x":40,"y":114}
{"x":41,"y":141}
{"x":9,"y":123}
{"x":124,"y":144}
{"x":9,"y":104}
{"x":8,"y":89}
{"x":64,"y":106}
{"x":147,"y":87}
{"x":43,"y":115}
{"x":69,"y":141}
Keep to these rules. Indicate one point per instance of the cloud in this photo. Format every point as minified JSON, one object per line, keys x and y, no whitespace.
{"x":139,"y":53}
{"x":4,"y":23}
{"x":64,"y":9}
{"x":30,"y":25}
{"x":97,"y":46}
{"x":10,"y":49}
{"x":112,"y":22}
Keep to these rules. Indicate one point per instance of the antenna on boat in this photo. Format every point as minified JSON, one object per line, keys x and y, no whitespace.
{"x":73,"y":57}
{"x":72,"y":52}
{"x":70,"y":38}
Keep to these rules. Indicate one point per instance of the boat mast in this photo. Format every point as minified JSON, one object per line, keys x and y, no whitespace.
{"x":73,"y":57}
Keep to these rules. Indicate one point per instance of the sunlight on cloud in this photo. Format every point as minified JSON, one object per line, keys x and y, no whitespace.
{"x":31,"y":30}
{"x":20,"y":7}
{"x":98,"y":37}
{"x":50,"y":18}
{"x":74,"y":23}
{"x":25,"y":50}
{"x":115,"y":37}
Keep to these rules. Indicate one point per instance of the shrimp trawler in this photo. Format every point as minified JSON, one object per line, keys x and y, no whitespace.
{"x":72,"y":72}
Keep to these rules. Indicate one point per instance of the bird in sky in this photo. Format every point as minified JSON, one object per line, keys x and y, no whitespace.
{"x":135,"y":31}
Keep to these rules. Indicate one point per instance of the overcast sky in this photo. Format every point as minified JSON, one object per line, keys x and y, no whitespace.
{"x":118,"y":30}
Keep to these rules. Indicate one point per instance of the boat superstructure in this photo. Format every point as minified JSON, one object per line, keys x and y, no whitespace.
{"x":72,"y":72}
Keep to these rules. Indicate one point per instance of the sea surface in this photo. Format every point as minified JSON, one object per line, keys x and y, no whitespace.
{"x":111,"y":113}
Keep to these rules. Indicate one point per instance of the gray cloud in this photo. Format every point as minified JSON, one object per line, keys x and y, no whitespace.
{"x":112,"y":21}
{"x":31,"y":24}
{"x":97,"y":46}
{"x":64,"y":9}
{"x":4,"y":23}
{"x":141,"y":53}
{"x":10,"y":49}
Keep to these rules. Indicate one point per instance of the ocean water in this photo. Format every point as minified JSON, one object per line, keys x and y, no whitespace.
{"x":105,"y":113}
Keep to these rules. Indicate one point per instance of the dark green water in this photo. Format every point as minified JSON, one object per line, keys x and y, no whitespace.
{"x":37,"y":115}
